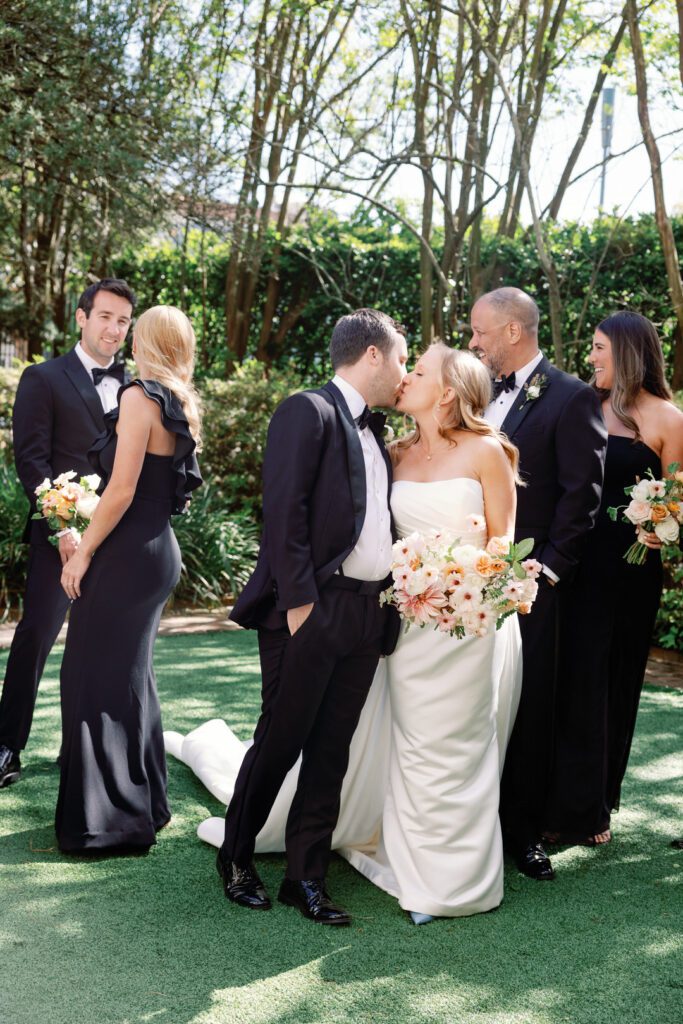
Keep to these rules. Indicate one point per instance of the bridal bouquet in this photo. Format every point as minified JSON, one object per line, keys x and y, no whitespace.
{"x":656,"y":506}
{"x":460,"y":589}
{"x":67,"y":504}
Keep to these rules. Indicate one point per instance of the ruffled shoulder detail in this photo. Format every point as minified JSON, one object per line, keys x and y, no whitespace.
{"x":185,"y":465}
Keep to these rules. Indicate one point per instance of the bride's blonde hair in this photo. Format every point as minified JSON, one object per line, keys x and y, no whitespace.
{"x":166,"y":343}
{"x":471,"y":382}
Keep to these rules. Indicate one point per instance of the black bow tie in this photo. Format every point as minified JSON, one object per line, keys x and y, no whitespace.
{"x":505,"y":384}
{"x":117,"y":370}
{"x":374,"y":420}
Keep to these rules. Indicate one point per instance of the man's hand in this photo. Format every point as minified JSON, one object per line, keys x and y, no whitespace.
{"x":297,"y":616}
{"x":67,"y":547}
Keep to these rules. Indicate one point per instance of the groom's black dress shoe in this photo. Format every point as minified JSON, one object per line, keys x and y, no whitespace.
{"x":312,"y":899}
{"x":10,"y":767}
{"x":243,"y":885}
{"x":534,"y":862}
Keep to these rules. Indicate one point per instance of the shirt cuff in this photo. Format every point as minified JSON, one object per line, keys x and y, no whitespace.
{"x":550,"y":574}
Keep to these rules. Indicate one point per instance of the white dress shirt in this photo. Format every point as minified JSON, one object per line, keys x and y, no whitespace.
{"x":497,"y":410}
{"x":371,"y":557}
{"x":108,"y":387}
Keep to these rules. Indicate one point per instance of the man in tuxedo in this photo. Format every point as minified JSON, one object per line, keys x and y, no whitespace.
{"x":556,"y":423}
{"x":314,"y":598}
{"x":58,"y":412}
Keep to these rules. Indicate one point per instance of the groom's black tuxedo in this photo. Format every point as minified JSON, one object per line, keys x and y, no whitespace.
{"x":561,"y":437}
{"x":57,"y":416}
{"x":314,"y":682}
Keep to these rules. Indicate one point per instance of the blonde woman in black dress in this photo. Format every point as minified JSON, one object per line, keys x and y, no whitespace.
{"x":112,"y":790}
{"x":609,"y":615}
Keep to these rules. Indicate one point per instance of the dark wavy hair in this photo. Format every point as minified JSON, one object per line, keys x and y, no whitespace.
{"x":355,"y":332}
{"x":638,"y":363}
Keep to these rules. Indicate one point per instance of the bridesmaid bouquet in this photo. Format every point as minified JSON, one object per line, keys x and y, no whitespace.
{"x":656,"y":506}
{"x":460,"y":589}
{"x":67,"y":505}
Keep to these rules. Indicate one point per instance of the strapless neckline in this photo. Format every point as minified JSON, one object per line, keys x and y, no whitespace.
{"x":430,"y":483}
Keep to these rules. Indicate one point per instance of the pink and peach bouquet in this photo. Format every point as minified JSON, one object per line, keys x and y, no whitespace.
{"x":67,"y":504}
{"x":461,"y":589}
{"x":656,"y":506}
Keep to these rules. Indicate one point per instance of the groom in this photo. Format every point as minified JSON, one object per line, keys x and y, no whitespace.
{"x":325,"y":557}
{"x":556,"y":423}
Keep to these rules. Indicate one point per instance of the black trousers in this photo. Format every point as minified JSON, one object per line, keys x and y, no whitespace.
{"x":528,"y":761}
{"x":315,"y":684}
{"x":45,"y":608}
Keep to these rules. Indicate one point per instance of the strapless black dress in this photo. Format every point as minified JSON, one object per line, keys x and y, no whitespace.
{"x":113,"y":770}
{"x":607,"y":622}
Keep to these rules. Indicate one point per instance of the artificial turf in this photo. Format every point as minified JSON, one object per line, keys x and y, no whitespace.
{"x":152,"y":939}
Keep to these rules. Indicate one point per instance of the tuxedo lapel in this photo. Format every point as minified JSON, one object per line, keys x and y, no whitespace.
{"x":83,"y":383}
{"x":522,"y":405}
{"x":354,"y":454}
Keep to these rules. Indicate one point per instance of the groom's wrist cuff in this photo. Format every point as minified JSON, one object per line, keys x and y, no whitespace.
{"x":550,"y":574}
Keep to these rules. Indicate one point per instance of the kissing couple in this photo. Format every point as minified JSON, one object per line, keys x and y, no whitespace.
{"x":427,"y":725}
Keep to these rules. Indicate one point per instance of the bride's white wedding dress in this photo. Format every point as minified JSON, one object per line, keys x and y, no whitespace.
{"x":419,"y":805}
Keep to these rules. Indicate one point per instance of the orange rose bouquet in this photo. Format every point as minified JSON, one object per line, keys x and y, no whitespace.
{"x":66,"y":503}
{"x":461,"y":589}
{"x":656,"y":506}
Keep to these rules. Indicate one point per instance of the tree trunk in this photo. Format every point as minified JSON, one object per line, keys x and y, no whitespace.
{"x":673,"y":270}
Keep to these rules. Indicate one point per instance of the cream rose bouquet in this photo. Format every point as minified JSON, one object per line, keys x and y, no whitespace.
{"x":656,"y":506}
{"x":66,"y":503}
{"x":461,"y":589}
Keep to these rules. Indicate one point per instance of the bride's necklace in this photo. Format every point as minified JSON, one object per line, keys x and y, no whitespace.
{"x":430,"y":455}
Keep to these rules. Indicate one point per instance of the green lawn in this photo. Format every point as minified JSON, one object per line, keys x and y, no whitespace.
{"x":152,"y":939}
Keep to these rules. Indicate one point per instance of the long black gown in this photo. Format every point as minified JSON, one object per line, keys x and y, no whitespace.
{"x":112,"y":789}
{"x":607,"y":623}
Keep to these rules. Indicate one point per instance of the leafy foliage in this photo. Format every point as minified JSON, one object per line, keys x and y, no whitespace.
{"x":669,"y":625}
{"x":236,"y":417}
{"x":218,"y":550}
{"x":13,"y":553}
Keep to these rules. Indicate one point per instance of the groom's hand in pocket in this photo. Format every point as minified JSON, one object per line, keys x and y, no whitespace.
{"x":297,"y":616}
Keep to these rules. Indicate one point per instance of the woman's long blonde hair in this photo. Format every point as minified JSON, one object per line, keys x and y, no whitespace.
{"x":166,"y":343}
{"x":471,"y":382}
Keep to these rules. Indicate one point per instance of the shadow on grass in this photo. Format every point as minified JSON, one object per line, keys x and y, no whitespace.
{"x":152,"y":939}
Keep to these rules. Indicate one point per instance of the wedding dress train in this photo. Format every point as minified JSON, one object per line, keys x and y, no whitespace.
{"x":419,"y":805}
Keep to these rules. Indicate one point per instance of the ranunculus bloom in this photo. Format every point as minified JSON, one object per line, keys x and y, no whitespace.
{"x":498,"y":565}
{"x":86,"y":505}
{"x":668,"y":531}
{"x":498,"y":546}
{"x":483,"y":565}
{"x":638,"y":511}
{"x":524,"y":607}
{"x":659,"y":513}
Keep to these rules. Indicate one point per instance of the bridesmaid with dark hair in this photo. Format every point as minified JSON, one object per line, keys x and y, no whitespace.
{"x":610,"y":610}
{"x":112,"y":792}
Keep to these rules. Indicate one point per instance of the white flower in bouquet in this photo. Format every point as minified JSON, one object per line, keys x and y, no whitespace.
{"x":641,"y":491}
{"x":468,"y":600}
{"x":657,"y":488}
{"x":529,"y":590}
{"x":45,"y":486}
{"x":478,"y":622}
{"x":514,"y":591}
{"x":638,"y":511}
{"x":92,"y":482}
{"x":86,"y":505}
{"x":498,"y":546}
{"x":668,"y":530}
{"x":532,"y":568}
{"x":477,"y":522}
{"x":417,"y":582}
{"x":64,"y":478}
{"x":409,"y":548}
{"x":466,"y":555}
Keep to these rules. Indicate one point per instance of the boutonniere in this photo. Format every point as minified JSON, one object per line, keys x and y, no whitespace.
{"x":534,"y":388}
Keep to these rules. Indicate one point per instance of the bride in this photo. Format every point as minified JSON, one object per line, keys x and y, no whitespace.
{"x":419,"y":806}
